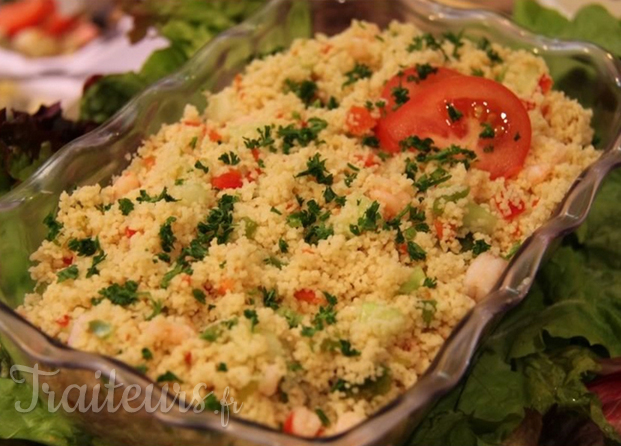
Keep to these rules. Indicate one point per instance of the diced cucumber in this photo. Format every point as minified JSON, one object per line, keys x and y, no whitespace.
{"x":414,"y":282}
{"x":440,"y":202}
{"x":479,"y":219}
{"x":383,"y":320}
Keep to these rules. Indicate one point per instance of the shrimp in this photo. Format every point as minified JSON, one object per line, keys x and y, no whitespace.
{"x":125,"y":183}
{"x":346,"y":421}
{"x":78,"y":328}
{"x":483,"y":274}
{"x":392,"y":203}
{"x":303,"y":423}
{"x":169,"y":332}
{"x":271,"y":379}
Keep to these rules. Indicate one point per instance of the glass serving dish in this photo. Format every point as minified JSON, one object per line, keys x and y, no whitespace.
{"x":584,"y":71}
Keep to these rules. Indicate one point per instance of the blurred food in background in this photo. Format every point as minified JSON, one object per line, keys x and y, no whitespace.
{"x":38,"y":28}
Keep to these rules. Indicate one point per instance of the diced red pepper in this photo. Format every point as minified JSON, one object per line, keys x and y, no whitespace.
{"x":67,"y":260}
{"x":359,"y":121}
{"x":129,"y":233}
{"x":188,"y":358}
{"x":512,"y":210}
{"x":233,"y":179}
{"x":288,"y":426}
{"x":545,"y":83}
{"x":308,"y":296}
{"x":214,"y":136}
{"x":439,"y":229}
{"x":63,"y":321}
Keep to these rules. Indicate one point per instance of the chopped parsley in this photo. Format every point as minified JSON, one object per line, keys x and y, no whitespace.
{"x":424,"y":70}
{"x":478,"y":72}
{"x":163,"y":196}
{"x":222,"y":367}
{"x":93,"y":270}
{"x":488,"y":131}
{"x":179,"y":268}
{"x":147,"y":355}
{"x":199,"y":296}
{"x":265,"y":139}
{"x":252,"y":316}
{"x":454,"y":114}
{"x":456,"y":40}
{"x":168,"y":377}
{"x":436,"y":177}
{"x":451,"y":156}
{"x":200,"y":166}
{"x":125,"y":206}
{"x":122,"y":295}
{"x":325,"y":421}
{"x":517,"y":137}
{"x":423,"y":41}
{"x":312,"y":220}
{"x":350,"y":178}
{"x":157,"y":307}
{"x":305,"y":90}
{"x":400,"y":95}
{"x":430,"y":282}
{"x":193,"y":142}
{"x":273,"y":261}
{"x":270,"y":298}
{"x":332,"y":103}
{"x":478,"y":247}
{"x":492,"y":55}
{"x":283,"y":246}
{"x":411,"y":168}
{"x":429,"y":308}
{"x":69,"y":273}
{"x":303,"y":135}
{"x":167,"y":237}
{"x":371,"y":141}
{"x":230,"y":159}
{"x":414,"y":142}
{"x":346,"y":349}
{"x":219,"y":222}
{"x":275,"y":211}
{"x":84,"y":247}
{"x":53,"y":227}
{"x":368,"y":222}
{"x":415,"y":251}
{"x":360,"y":71}
{"x":316,"y":167}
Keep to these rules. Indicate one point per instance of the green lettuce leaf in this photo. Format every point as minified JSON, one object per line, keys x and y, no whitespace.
{"x":542,"y":353}
{"x":592,"y":23}
{"x":188,"y":25}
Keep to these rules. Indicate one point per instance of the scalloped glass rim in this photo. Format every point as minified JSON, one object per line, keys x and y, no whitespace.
{"x":394,"y":422}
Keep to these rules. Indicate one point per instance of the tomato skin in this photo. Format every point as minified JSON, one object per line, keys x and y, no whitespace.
{"x":16,"y":16}
{"x":288,"y":426}
{"x":359,"y":121}
{"x":482,"y":101}
{"x":306,"y":295}
{"x":57,"y":25}
{"x":231,"y":180}
{"x":413,"y":87}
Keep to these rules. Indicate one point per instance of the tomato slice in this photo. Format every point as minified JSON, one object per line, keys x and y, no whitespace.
{"x":231,"y":180}
{"x":23,"y":14}
{"x":56,"y":24}
{"x":472,"y":112}
{"x":411,"y":80}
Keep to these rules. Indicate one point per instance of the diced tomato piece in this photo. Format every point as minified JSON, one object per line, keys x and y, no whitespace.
{"x":359,"y":121}
{"x":256,"y":154}
{"x":129,"y":233}
{"x":149,"y":161}
{"x":214,"y":136}
{"x":528,"y":105}
{"x":225,"y":286}
{"x":56,"y":24}
{"x":439,"y":229}
{"x":188,"y":358}
{"x":19,"y":15}
{"x":511,"y":210}
{"x":67,"y":260}
{"x":63,"y":321}
{"x":288,"y":426}
{"x":192,"y":123}
{"x":371,"y":160}
{"x":545,"y":83}
{"x":233,"y":179}
{"x":308,"y":296}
